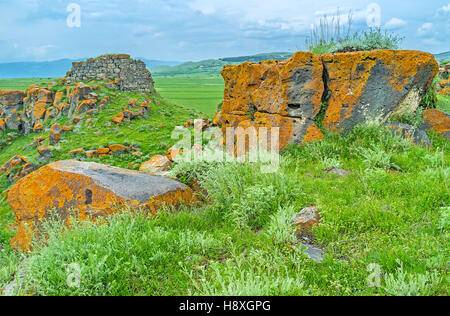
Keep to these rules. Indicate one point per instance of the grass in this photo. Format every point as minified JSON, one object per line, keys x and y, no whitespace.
{"x":444,"y":103}
{"x":23,"y":84}
{"x":200,"y":93}
{"x":332,"y":35}
{"x":242,"y":242}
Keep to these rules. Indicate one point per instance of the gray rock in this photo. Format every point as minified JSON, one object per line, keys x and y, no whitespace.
{"x":315,"y":254}
{"x":339,"y":172}
{"x":417,"y":136}
{"x":128,"y":184}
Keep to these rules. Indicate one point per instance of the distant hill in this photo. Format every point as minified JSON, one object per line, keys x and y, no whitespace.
{"x":213,"y":66}
{"x":443,"y":57}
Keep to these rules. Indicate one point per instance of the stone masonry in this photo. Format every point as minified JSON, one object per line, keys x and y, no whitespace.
{"x":133,"y":74}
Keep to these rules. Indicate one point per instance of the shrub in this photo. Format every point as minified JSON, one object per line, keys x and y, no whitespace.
{"x":334,"y":35}
{"x":406,"y":284}
{"x":280,"y":229}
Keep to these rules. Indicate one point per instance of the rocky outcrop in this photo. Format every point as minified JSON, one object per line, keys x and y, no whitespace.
{"x":11,"y":109}
{"x":87,"y":191}
{"x":437,"y":121}
{"x":27,"y":111}
{"x":16,"y":168}
{"x":130,"y":74}
{"x":373,"y":86}
{"x":348,"y":88}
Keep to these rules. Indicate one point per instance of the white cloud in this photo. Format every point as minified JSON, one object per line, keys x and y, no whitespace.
{"x":445,"y":8}
{"x":425,"y":29}
{"x":395,"y":23}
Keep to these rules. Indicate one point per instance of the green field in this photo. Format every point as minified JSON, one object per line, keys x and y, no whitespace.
{"x":199,"y":93}
{"x":22,"y":84}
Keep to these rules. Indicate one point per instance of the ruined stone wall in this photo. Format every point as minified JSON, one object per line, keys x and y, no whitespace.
{"x":133,"y":74}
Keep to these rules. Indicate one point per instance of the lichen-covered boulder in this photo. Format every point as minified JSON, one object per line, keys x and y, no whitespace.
{"x":437,"y":121}
{"x":36,"y":102}
{"x":11,"y":107}
{"x":286,"y":94}
{"x":16,"y":168}
{"x":80,"y":93}
{"x":375,"y":85}
{"x":86,"y":191}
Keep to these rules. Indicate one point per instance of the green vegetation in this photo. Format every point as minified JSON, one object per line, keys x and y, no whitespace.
{"x":443,"y":103}
{"x":243,"y":243}
{"x":199,"y":93}
{"x":333,"y":35}
{"x":22,"y":84}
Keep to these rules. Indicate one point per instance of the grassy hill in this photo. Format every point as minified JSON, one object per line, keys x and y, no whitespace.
{"x":443,"y":57}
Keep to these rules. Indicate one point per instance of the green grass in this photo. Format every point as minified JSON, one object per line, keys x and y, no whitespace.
{"x":23,"y":84}
{"x":444,"y":103}
{"x":333,"y":35}
{"x":242,"y":242}
{"x":200,"y":93}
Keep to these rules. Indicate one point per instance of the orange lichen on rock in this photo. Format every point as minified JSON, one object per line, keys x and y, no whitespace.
{"x":292,"y":87}
{"x":118,"y":119}
{"x":283,"y":94}
{"x":16,"y":168}
{"x":11,"y":97}
{"x":86,"y":191}
{"x":375,"y":85}
{"x":77,"y":151}
{"x":313,"y":134}
{"x":437,"y":121}
{"x":156,"y":165}
{"x":173,"y":153}
{"x":118,"y":148}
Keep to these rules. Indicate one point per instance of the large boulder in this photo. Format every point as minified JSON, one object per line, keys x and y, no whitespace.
{"x":437,"y":121}
{"x":286,"y":94}
{"x":375,"y":85}
{"x":359,"y":87}
{"x":86,"y":191}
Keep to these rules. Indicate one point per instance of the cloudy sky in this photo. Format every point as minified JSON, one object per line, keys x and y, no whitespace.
{"x":182,"y":30}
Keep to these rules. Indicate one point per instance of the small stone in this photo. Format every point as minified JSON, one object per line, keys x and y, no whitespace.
{"x":339,"y":172}
{"x":156,"y":164}
{"x":307,"y":219}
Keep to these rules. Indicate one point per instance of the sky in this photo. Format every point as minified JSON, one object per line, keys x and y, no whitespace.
{"x":176,"y":30}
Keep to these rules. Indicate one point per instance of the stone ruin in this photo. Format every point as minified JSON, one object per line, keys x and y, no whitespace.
{"x":133,"y":74}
